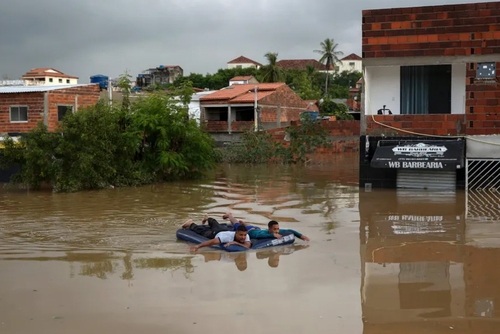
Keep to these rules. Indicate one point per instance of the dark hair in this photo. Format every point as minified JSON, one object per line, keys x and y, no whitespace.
{"x":241,"y":228}
{"x":272,"y":223}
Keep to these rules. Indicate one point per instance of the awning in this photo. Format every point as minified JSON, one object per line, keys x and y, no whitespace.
{"x":419,"y":154}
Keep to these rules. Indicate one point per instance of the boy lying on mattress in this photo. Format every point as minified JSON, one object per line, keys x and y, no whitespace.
{"x":273,"y":229}
{"x":218,"y":234}
{"x":239,"y":233}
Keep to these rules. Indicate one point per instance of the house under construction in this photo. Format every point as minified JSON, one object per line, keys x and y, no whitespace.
{"x":159,"y":75}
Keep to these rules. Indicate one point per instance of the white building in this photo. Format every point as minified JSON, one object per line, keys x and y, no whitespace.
{"x":351,"y":63}
{"x":48,"y":77}
{"x":194,"y":105}
{"x":243,"y":80}
{"x":243,"y":62}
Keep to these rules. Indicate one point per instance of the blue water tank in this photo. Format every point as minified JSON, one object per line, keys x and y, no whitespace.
{"x":100,"y":79}
{"x":312,"y":115}
{"x":161,"y":66}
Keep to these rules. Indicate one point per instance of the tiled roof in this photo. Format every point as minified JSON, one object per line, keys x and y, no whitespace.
{"x":229,"y":93}
{"x":243,"y":60}
{"x":301,"y":64}
{"x":250,"y":97}
{"x":46,"y":72}
{"x":312,"y":105}
{"x":241,"y":78}
{"x":37,"y":89}
{"x":352,"y":56}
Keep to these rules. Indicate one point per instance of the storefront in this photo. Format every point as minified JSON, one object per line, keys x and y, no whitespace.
{"x":421,"y":164}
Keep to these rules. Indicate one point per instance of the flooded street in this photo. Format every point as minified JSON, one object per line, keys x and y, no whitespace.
{"x":378,"y":262}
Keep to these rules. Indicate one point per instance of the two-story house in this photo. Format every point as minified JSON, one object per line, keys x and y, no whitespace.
{"x":47,"y":77}
{"x":431,"y":97}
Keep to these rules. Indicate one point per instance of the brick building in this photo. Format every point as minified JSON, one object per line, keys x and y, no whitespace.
{"x":238,"y":107}
{"x":22,"y":107}
{"x":430,"y":89}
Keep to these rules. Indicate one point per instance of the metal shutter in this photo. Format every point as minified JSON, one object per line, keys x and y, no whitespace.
{"x":427,"y":179}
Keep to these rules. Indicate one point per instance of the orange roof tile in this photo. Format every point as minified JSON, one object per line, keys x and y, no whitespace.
{"x":43,"y":72}
{"x":301,"y":64}
{"x":232,"y":92}
{"x":250,"y":97}
{"x":243,"y":60}
{"x":352,"y":56}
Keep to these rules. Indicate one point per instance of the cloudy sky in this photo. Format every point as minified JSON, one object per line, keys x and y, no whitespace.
{"x":87,"y":37}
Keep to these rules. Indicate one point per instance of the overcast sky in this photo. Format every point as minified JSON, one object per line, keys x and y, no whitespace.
{"x":87,"y":37}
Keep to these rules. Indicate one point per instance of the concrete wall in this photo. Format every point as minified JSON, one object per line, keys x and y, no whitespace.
{"x":382,"y":88}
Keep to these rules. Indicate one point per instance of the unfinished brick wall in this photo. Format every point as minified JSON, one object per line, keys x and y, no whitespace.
{"x":82,"y":97}
{"x":449,"y":30}
{"x":424,"y":124}
{"x":35,"y":104}
{"x":482,"y":104}
{"x":291,"y":105}
{"x":344,"y":135}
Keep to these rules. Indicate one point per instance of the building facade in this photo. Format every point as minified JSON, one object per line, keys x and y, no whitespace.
{"x":48,"y":77}
{"x":21,"y":108}
{"x":243,"y":62}
{"x":431,"y":96}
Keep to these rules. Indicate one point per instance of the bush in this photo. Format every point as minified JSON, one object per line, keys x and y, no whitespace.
{"x":260,"y":147}
{"x":150,"y":140}
{"x":340,"y":110}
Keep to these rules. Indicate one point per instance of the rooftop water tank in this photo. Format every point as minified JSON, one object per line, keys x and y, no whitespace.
{"x":100,"y":79}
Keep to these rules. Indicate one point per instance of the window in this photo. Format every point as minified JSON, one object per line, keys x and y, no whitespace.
{"x":51,"y":80}
{"x":239,"y":66}
{"x":62,"y":111}
{"x":60,"y":80}
{"x":18,"y":114}
{"x":426,"y":89}
{"x":351,"y":64}
{"x":67,"y":81}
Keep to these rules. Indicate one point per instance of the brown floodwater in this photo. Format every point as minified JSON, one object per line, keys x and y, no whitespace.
{"x":378,"y":262}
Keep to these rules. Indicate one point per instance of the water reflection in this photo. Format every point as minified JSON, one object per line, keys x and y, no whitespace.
{"x":241,"y":259}
{"x":421,"y":267}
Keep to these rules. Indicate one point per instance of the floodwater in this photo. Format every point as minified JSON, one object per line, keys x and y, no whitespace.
{"x":378,"y":262}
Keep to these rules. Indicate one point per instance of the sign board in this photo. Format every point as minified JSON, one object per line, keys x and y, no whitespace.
{"x":410,"y":154}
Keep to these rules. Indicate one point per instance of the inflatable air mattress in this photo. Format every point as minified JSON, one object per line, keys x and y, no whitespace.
{"x":190,"y":236}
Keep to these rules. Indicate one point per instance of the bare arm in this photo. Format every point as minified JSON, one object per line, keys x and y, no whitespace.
{"x":207,"y":243}
{"x":247,"y":244}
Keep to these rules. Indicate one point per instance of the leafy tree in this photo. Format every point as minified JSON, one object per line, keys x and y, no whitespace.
{"x":347,"y":78}
{"x":340,"y":110}
{"x":271,"y":72}
{"x":329,"y":56}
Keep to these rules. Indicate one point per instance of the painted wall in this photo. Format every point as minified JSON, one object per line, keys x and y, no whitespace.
{"x":242,"y":65}
{"x":383,"y":87}
{"x":458,"y":75}
{"x":346,"y":66}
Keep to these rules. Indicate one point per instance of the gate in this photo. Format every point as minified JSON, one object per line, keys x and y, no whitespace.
{"x":483,"y":189}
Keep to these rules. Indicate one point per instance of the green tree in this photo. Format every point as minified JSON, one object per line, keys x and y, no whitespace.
{"x":271,"y":72}
{"x":329,"y":56}
{"x":347,"y":78}
{"x":330,"y":108}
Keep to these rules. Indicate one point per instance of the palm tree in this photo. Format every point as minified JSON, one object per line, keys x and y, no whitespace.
{"x":272,"y":73}
{"x":329,"y":56}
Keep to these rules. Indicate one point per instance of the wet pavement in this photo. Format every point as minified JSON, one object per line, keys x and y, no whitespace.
{"x":378,"y":262}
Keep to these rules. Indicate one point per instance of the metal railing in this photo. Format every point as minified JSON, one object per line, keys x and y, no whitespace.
{"x":483,"y":189}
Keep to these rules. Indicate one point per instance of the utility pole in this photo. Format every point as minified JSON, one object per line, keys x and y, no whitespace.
{"x":110,"y":92}
{"x":256,"y":124}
